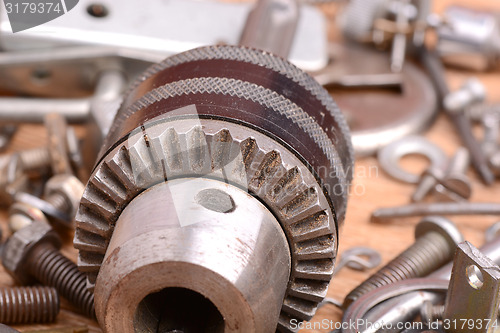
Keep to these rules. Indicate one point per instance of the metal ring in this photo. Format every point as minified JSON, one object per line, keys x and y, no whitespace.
{"x":390,"y":155}
{"x":355,"y":258}
{"x":365,"y":303}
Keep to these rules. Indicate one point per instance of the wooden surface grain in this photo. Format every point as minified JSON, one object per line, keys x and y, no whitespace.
{"x":372,"y":188}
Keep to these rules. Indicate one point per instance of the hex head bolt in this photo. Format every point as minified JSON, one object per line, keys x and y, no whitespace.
{"x":28,"y":305}
{"x":32,"y":254}
{"x":436,"y":239}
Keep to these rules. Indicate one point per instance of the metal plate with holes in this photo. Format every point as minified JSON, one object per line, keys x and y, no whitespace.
{"x":390,"y":155}
{"x":184,"y":25}
{"x":378,"y":117}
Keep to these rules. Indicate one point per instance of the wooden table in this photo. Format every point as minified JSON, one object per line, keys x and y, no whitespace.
{"x":373,"y":189}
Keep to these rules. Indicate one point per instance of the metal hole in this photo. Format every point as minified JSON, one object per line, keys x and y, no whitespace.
{"x":97,"y":10}
{"x":474,"y":276}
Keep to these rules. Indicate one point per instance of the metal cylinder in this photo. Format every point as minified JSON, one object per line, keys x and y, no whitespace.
{"x":229,"y":263}
{"x":235,"y":117}
{"x":28,"y":305}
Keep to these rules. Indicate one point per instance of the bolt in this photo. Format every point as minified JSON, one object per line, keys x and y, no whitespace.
{"x":453,"y":183}
{"x":430,"y":313}
{"x":435,"y":241}
{"x":456,"y":103}
{"x":32,"y":254}
{"x":28,"y":305}
{"x":438,"y":208}
{"x":64,"y":192}
{"x":22,"y":215}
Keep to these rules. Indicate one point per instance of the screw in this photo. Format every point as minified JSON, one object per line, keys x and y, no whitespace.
{"x":28,"y":305}
{"x":32,"y":253}
{"x":456,"y":104}
{"x":435,"y":241}
{"x":430,"y":312}
{"x":438,"y":208}
{"x":452,"y":183}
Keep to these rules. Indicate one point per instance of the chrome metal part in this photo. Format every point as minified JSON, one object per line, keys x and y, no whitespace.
{"x":438,"y":208}
{"x":405,"y":308}
{"x":21,"y":215}
{"x":469,"y":38}
{"x":358,"y":258}
{"x":271,"y":26}
{"x":436,"y":239}
{"x":209,"y":23}
{"x":377,"y":117}
{"x":474,"y":291}
{"x":188,"y":117}
{"x":390,"y":155}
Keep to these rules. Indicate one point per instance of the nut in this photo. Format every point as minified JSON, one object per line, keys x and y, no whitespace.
{"x":22,"y":214}
{"x":19,"y":246}
{"x":69,"y":186}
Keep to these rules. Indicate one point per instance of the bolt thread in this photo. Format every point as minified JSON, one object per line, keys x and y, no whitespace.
{"x":430,"y":312}
{"x":51,"y":268}
{"x":28,"y":305}
{"x":34,"y":159}
{"x":59,"y":202}
{"x":428,"y":253}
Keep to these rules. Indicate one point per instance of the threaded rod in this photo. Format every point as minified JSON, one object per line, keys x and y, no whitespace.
{"x":28,"y":305}
{"x":59,"y":202}
{"x":36,"y":158}
{"x":428,"y":253}
{"x":51,"y":268}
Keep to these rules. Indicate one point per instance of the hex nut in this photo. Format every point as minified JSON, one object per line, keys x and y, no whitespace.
{"x":22,"y":214}
{"x":69,"y":186}
{"x":18,"y":247}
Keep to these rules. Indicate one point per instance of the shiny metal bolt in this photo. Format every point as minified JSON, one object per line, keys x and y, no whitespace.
{"x":436,"y":240}
{"x":28,"y":305}
{"x":32,"y":254}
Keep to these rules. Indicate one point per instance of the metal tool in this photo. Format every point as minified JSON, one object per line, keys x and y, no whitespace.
{"x":405,"y":308}
{"x":435,"y":241}
{"x":452,"y":184}
{"x":32,"y":254}
{"x":390,"y":155}
{"x":457,"y":103}
{"x":407,"y":105}
{"x":185,"y":24}
{"x":469,"y":38}
{"x":438,"y":208}
{"x":474,"y":279}
{"x":182,"y":151}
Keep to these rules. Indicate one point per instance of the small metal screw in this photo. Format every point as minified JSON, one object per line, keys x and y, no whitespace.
{"x":430,"y":312}
{"x":28,"y":305}
{"x":32,"y":253}
{"x":436,"y":240}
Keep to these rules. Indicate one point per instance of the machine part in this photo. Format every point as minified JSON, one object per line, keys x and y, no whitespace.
{"x":438,"y":208}
{"x":64,"y":192}
{"x":378,"y":117}
{"x":431,"y":312}
{"x":55,"y":215}
{"x":472,"y":92}
{"x":436,"y":239}
{"x":57,"y":131}
{"x":386,"y":22}
{"x":224,"y":294}
{"x":469,"y":38}
{"x":358,"y":258}
{"x":22,"y":215}
{"x":405,"y":308}
{"x":390,"y":155}
{"x":474,"y":279}
{"x":31,"y":254}
{"x":28,"y":305}
{"x":358,"y":310}
{"x":452,"y":184}
{"x":271,"y":26}
{"x":210,"y":23}
{"x":232,"y":115}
